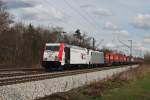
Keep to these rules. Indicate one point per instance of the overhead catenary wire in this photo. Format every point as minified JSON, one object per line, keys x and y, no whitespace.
{"x":92,"y":20}
{"x":87,"y":20}
{"x":80,"y":14}
{"x":87,"y":14}
{"x":46,"y":3}
{"x":66,"y":14}
{"x":52,"y":4}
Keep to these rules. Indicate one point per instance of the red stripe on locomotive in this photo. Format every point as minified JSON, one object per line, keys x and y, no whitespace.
{"x":61,"y":50}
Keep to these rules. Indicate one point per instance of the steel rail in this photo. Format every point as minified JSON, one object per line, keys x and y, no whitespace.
{"x":42,"y":76}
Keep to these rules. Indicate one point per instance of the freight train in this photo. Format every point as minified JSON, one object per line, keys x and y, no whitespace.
{"x":63,"y":56}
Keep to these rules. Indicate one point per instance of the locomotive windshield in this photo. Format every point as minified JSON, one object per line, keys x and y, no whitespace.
{"x":52,"y":48}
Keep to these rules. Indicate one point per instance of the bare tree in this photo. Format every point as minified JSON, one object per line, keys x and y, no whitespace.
{"x":21,"y":44}
{"x":5,"y":18}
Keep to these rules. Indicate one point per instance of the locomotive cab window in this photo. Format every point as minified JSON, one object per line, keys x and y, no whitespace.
{"x":52,"y":48}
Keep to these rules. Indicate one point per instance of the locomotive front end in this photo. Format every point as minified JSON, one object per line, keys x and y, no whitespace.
{"x":53,"y":55}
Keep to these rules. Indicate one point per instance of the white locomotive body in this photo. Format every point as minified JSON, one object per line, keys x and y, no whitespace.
{"x":60,"y":54}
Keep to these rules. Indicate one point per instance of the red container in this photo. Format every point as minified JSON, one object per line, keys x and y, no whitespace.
{"x":109,"y":58}
{"x":115,"y":57}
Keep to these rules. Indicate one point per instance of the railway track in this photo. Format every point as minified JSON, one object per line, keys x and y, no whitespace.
{"x":22,"y":69}
{"x":8,"y":80}
{"x":12,"y":74}
{"x":19,"y":72}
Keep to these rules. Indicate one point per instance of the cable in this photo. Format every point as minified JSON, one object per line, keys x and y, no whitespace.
{"x":67,"y":15}
{"x":48,"y":4}
{"x":87,"y":21}
{"x":91,"y":18}
{"x":79,"y":21}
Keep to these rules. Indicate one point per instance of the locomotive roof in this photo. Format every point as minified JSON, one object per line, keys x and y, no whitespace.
{"x":66,"y":45}
{"x":70,"y":46}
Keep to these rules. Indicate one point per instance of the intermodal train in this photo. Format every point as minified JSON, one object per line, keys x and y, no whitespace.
{"x":64,"y":56}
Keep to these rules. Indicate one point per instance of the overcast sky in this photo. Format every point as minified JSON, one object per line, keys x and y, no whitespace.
{"x":109,"y":20}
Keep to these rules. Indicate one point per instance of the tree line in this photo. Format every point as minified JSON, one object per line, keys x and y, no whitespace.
{"x":22,"y":44}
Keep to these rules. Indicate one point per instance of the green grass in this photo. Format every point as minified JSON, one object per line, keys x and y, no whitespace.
{"x":138,"y":89}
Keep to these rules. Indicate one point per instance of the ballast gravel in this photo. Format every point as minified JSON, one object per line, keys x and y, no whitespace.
{"x":41,"y":88}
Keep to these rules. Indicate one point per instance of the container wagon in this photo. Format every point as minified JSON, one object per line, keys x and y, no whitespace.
{"x":96,"y":58}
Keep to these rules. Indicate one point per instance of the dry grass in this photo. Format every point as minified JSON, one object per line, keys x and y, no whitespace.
{"x":97,"y":88}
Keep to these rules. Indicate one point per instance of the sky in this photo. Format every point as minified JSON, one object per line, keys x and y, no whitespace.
{"x":111,"y":22}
